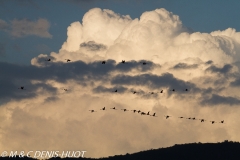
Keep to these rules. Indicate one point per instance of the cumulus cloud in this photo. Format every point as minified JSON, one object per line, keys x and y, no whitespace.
{"x":148,"y":54}
{"x":24,"y":27}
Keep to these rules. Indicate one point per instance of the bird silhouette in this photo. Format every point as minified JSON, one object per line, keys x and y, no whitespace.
{"x":138,"y":111}
{"x":143,"y":113}
{"x":212,"y":122}
{"x":144,"y":63}
{"x":193,"y":118}
{"x":161,"y":91}
{"x":154,"y":115}
{"x":151,"y":92}
{"x":124,"y":110}
{"x":134,"y":111}
{"x":202,"y":120}
{"x":123,"y":61}
{"x":148,"y":113}
{"x":186,"y":89}
{"x":68,"y":60}
{"x":113,"y":108}
{"x":221,"y":121}
{"x":173,"y":90}
{"x":65,"y":89}
{"x":167,"y":116}
{"x":115,"y":90}
{"x":103,"y":108}
{"x":22,"y":88}
{"x":103,"y":62}
{"x":189,"y":118}
{"x":48,"y":59}
{"x":180,"y":117}
{"x":134,"y":92}
{"x":92,"y":111}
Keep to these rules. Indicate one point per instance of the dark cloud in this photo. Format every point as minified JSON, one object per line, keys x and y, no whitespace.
{"x":185,"y":66}
{"x":209,"y":62}
{"x":165,"y":80}
{"x":235,"y":83}
{"x":225,"y":69}
{"x":102,"y":89}
{"x":93,"y":46}
{"x":2,"y":49}
{"x":82,"y":73}
{"x":217,"y":100}
{"x":3,"y":25}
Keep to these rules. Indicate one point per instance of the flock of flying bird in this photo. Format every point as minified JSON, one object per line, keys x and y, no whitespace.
{"x":134,"y":92}
{"x":154,"y":114}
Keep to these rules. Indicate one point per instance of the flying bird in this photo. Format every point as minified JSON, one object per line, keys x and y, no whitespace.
{"x":48,"y":59}
{"x":180,"y":117}
{"x":22,"y":88}
{"x":221,"y":121}
{"x":124,"y":110}
{"x":202,"y":120}
{"x":143,"y":113}
{"x":103,"y":108}
{"x":161,"y":91}
{"x":138,"y":111}
{"x":167,"y":116}
{"x":65,"y":89}
{"x":123,"y":61}
{"x":134,"y":110}
{"x":148,"y":113}
{"x":154,"y":115}
{"x":92,"y":111}
{"x":134,"y":92}
{"x":212,"y":122}
{"x":103,"y":62}
{"x":115,"y":90}
{"x":68,"y":60}
{"x":144,"y":63}
{"x":186,"y":89}
{"x":151,"y":92}
{"x":173,"y":90}
{"x":113,"y":108}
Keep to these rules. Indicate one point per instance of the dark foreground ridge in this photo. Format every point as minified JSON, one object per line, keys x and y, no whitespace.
{"x":225,"y":150}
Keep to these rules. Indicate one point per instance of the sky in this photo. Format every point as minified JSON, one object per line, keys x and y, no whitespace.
{"x":186,"y":44}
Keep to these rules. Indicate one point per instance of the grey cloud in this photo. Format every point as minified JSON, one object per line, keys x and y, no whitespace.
{"x":217,"y":100}
{"x":209,"y":62}
{"x":165,"y":80}
{"x":3,"y":25}
{"x":93,"y":46}
{"x":235,"y":83}
{"x":102,"y":89}
{"x":185,"y":66}
{"x":25,"y":27}
{"x":225,"y":69}
{"x":2,"y":49}
{"x":20,"y":75}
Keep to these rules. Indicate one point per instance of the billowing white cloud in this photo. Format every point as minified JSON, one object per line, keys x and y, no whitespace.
{"x":207,"y":64}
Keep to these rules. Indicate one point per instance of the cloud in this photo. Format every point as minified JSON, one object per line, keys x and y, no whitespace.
{"x":217,"y":99}
{"x":2,"y":49}
{"x":23,"y":27}
{"x":185,"y":66}
{"x":3,"y":25}
{"x":91,"y":45}
{"x":207,"y":64}
{"x":225,"y":69}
